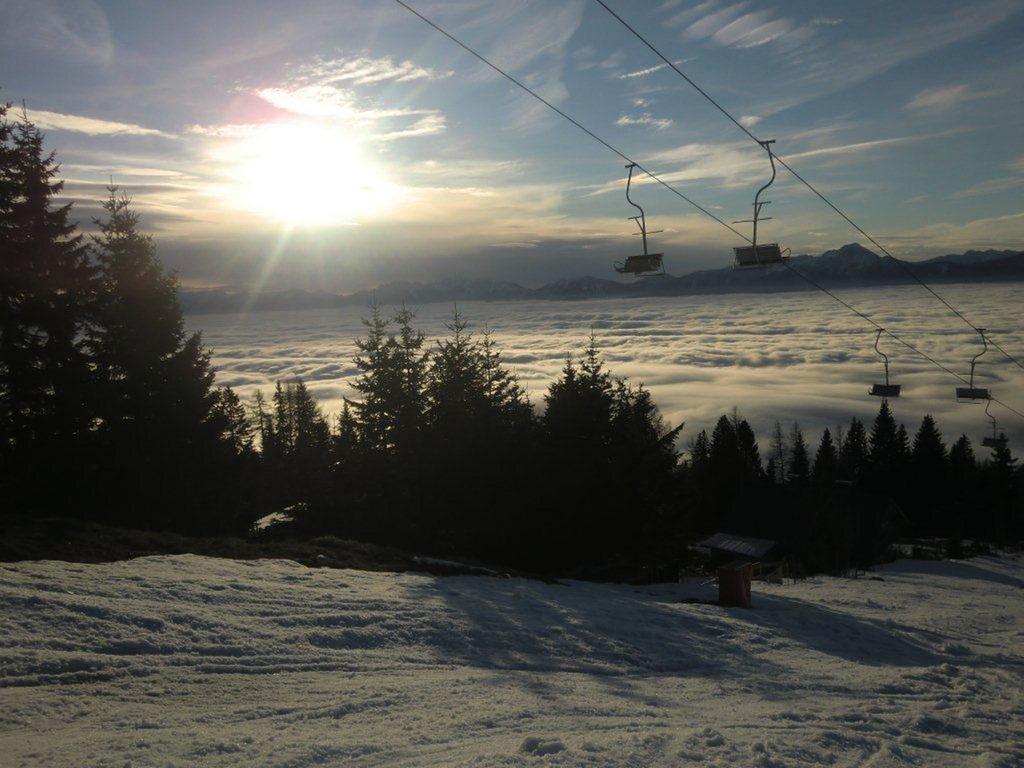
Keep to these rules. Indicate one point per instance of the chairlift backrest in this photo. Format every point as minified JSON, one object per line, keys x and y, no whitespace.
{"x":885,"y":390}
{"x":641,"y":264}
{"x":758,"y":255}
{"x":972,"y":393}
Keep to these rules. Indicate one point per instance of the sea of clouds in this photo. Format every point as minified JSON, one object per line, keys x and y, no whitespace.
{"x":788,"y":357}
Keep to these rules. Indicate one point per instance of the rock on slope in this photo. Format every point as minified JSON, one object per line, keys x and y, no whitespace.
{"x":186,"y":660}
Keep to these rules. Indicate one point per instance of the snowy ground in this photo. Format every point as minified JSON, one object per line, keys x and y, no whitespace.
{"x":185,"y":660}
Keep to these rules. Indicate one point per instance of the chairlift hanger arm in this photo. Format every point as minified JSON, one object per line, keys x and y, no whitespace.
{"x":885,"y":357}
{"x":974,"y":359}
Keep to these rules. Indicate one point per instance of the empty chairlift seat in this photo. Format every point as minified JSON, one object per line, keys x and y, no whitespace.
{"x":751,"y":256}
{"x":885,"y":390}
{"x":641,"y":264}
{"x":972,"y":393}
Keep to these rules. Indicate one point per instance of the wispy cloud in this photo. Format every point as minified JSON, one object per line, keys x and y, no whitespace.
{"x":992,"y":187}
{"x":428,"y":125}
{"x":641,"y":72}
{"x":92,"y":126}
{"x":946,"y":97}
{"x":645,"y":118}
{"x":752,"y":29}
{"x":329,"y":101}
{"x":708,"y":25}
{"x":632,"y":75}
{"x":860,"y":147}
{"x":366,"y":70}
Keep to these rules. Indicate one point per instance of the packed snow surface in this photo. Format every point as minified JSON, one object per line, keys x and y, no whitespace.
{"x":186,"y":661}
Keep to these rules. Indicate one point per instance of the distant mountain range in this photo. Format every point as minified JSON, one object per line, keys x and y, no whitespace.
{"x":851,"y":266}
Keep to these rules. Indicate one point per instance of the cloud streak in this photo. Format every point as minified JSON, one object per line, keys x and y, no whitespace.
{"x":90,"y":125}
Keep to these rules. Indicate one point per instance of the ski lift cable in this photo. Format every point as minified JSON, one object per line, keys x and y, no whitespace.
{"x":568,"y":117}
{"x":675,"y":191}
{"x":802,"y":180}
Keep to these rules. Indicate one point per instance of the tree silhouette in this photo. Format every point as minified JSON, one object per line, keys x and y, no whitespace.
{"x":853,"y":455}
{"x":47,"y":284}
{"x":156,"y":404}
{"x":799,"y":461}
{"x":826,"y":460}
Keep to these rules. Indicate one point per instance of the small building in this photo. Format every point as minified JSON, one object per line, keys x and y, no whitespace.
{"x":735,"y":558}
{"x":726,"y":548}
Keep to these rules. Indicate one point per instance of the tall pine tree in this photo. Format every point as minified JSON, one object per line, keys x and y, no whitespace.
{"x":158,"y":425}
{"x":47,"y":287}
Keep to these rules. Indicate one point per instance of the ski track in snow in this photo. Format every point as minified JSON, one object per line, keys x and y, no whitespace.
{"x":186,"y":660}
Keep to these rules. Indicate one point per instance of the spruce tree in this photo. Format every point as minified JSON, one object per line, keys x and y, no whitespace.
{"x":47,"y":288}
{"x":853,"y":454}
{"x":377,"y":383}
{"x":799,"y":461}
{"x":159,"y":421}
{"x":392,"y":383}
{"x":154,"y":374}
{"x":700,"y":451}
{"x":826,"y":460}
{"x":410,"y":360}
{"x":747,"y":444}
{"x":929,"y":504}
{"x":780,"y":453}
{"x":238,"y":433}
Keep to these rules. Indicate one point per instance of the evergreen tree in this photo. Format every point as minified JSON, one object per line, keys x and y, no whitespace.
{"x":346,"y":436}
{"x":579,"y":404}
{"x":929,"y":452}
{"x":853,"y":453}
{"x":1004,"y":503}
{"x":297,"y":445}
{"x":410,"y":360}
{"x":392,"y":383}
{"x":377,"y":383}
{"x":884,"y":448}
{"x":155,"y":403}
{"x":238,"y":432}
{"x":928,"y":505}
{"x":47,"y":287}
{"x":826,"y":460}
{"x":503,"y":391}
{"x":724,"y":453}
{"x":746,"y":442}
{"x":964,"y":487}
{"x":700,"y":451}
{"x":456,"y":384}
{"x":780,"y":453}
{"x":799,"y":460}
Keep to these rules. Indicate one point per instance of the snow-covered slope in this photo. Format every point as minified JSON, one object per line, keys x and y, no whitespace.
{"x":184,"y":660}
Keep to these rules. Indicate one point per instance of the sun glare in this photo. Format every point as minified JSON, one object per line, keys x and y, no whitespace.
{"x":305,"y":175}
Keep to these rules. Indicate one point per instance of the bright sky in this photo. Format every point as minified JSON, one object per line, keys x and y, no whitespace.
{"x":334,"y":144}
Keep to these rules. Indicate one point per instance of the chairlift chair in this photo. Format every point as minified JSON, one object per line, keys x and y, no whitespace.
{"x":756,"y":256}
{"x":886,"y":390}
{"x":998,"y":440}
{"x":971,"y":393}
{"x":643,"y":264}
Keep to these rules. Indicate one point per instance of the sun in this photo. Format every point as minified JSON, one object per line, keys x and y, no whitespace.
{"x":304,"y":175}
